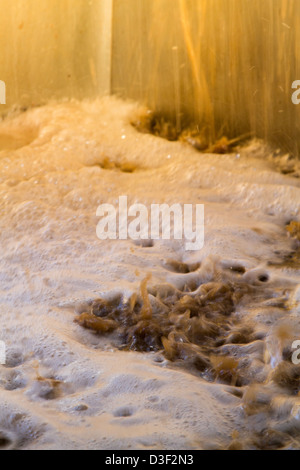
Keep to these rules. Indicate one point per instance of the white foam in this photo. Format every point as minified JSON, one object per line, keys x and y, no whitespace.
{"x":52,"y":263}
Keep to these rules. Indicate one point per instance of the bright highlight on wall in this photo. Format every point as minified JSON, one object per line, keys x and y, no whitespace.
{"x":2,"y":92}
{"x":54,"y":49}
{"x":228,"y":65}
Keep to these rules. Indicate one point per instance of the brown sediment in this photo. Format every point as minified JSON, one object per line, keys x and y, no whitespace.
{"x":149,"y":122}
{"x":238,"y":269}
{"x":241,"y":335}
{"x":225,"y":145}
{"x":294,"y":229}
{"x":146,"y":310}
{"x":291,"y":260}
{"x":226,"y":368}
{"x":123,"y":166}
{"x":203,"y":333}
{"x":287,"y":376}
{"x":182,"y":268}
{"x":255,"y":400}
{"x":266,"y":439}
{"x":236,"y":444}
{"x":92,"y":322}
{"x":53,"y":386}
{"x":187,"y":328}
{"x":270,"y":439}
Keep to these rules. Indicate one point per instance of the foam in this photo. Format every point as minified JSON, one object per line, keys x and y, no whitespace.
{"x":52,"y":266}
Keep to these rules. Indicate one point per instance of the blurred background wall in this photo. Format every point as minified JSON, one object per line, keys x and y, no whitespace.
{"x":54,"y":49}
{"x":226,"y":65}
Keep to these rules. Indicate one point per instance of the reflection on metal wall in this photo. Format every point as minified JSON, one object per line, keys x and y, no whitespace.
{"x":54,"y":49}
{"x":227,"y":64}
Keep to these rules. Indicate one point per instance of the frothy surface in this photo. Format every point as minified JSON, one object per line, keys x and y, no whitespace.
{"x":64,"y":387}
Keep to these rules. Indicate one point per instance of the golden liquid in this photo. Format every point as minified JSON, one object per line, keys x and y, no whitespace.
{"x":226,"y":65}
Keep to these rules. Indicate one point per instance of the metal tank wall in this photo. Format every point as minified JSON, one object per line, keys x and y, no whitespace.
{"x":54,"y":49}
{"x":227,"y":65}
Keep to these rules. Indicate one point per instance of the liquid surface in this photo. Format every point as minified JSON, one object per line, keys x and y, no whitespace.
{"x":231,"y":384}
